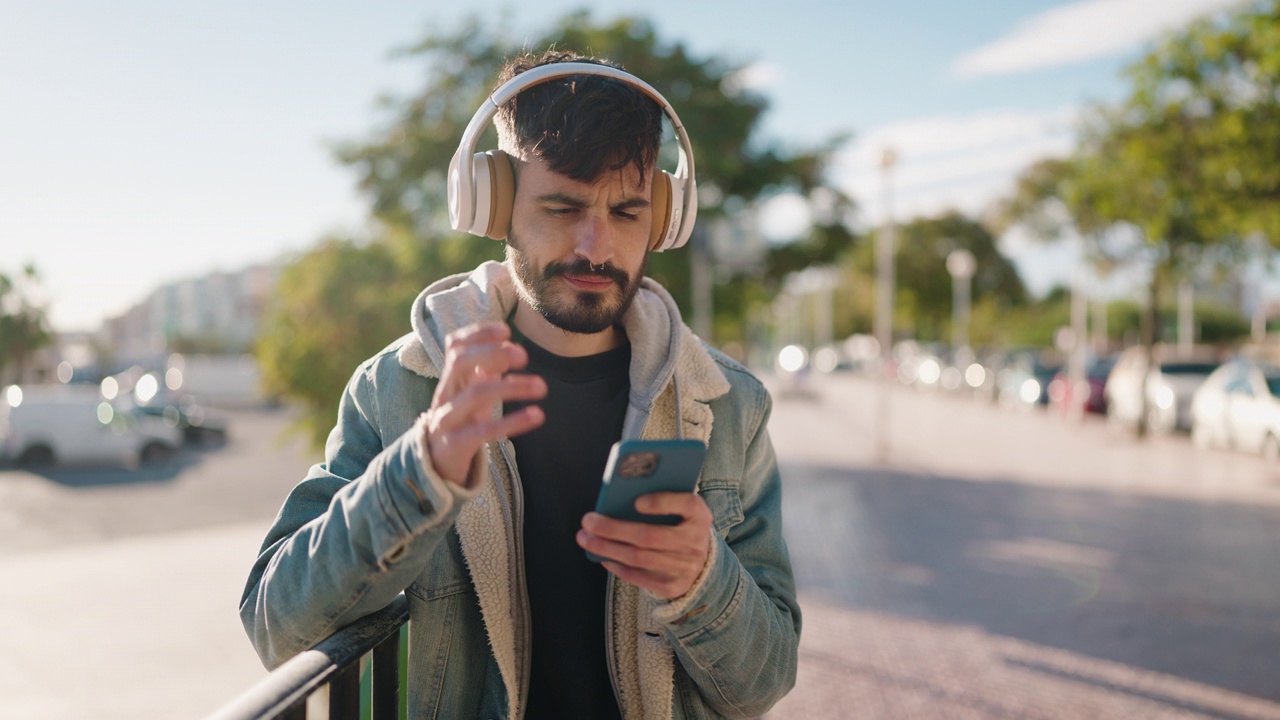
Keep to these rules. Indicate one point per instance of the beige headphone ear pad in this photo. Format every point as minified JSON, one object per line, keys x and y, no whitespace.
{"x":502,"y":194}
{"x":660,"y":204}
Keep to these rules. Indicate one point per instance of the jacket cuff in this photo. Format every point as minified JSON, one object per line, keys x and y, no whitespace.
{"x":434,"y":494}
{"x":675,"y":610}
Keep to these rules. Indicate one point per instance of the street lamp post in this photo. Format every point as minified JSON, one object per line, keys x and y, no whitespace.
{"x":886,"y":247}
{"x":961,"y":264}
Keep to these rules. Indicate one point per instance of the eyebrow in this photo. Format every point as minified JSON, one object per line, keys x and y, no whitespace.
{"x":563,"y":199}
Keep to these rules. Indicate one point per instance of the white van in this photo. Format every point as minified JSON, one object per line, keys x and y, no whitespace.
{"x":42,"y":425}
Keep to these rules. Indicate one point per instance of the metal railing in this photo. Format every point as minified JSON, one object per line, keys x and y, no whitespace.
{"x":336,"y":663}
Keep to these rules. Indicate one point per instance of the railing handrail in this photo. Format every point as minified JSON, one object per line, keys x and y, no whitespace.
{"x":303,"y":674}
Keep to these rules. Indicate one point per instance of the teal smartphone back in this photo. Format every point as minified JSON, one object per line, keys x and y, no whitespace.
{"x":639,"y":467}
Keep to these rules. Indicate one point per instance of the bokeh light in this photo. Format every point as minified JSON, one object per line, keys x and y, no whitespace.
{"x":792,"y":358}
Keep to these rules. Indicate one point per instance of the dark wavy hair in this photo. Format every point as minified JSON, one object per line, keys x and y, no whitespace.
{"x":580,"y":125}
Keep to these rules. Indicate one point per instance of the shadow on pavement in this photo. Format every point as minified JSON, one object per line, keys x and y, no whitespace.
{"x":1173,"y":586}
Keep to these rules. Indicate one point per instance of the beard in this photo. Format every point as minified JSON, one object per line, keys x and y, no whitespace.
{"x":566,"y":307}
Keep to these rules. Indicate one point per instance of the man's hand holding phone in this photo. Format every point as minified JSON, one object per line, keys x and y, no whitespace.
{"x":650,"y":528}
{"x":477,"y":374}
{"x":663,"y":559}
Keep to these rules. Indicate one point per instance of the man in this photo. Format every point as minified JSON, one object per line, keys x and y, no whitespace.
{"x":479,"y":508}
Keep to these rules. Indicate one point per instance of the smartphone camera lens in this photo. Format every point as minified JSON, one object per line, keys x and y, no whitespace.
{"x":641,"y":464}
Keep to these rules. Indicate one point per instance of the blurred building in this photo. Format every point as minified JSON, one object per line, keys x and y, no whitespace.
{"x":216,"y":314}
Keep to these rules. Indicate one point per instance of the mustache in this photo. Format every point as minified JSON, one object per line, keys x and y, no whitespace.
{"x":582,"y":267}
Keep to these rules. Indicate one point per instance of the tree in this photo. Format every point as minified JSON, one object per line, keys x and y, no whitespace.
{"x":24,"y":329}
{"x":1181,"y":175}
{"x":923,"y":285}
{"x":338,"y":301}
{"x":402,"y":166}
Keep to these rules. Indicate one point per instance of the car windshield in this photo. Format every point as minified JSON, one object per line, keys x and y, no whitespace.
{"x":1188,"y":368}
{"x":1102,"y":367}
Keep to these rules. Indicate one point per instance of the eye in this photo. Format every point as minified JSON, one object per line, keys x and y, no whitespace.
{"x":560,"y":211}
{"x":626,"y":215}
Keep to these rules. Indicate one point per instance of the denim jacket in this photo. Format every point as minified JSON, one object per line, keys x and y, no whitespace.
{"x":375,"y":519}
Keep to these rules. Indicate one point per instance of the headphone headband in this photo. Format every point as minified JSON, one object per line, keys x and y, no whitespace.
{"x":463,"y":192}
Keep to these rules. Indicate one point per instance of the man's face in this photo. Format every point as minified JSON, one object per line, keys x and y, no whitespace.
{"x":578,"y":249}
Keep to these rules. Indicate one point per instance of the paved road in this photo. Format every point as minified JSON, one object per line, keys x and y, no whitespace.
{"x":955,"y":561}
{"x":120,"y":587}
{"x":1000,"y":564}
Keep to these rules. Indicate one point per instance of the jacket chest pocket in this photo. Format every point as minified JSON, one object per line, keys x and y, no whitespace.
{"x":722,"y":498}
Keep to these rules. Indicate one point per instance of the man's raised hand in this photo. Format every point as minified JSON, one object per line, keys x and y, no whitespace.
{"x":478,"y":365}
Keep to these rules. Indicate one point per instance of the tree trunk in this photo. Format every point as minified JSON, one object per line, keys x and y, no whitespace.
{"x":1150,"y":329}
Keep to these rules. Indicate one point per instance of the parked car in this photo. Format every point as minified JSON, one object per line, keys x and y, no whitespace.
{"x":54,"y":424}
{"x":149,"y":395}
{"x":1168,"y":388}
{"x":1023,"y":379}
{"x":1238,"y":406}
{"x":197,"y":426}
{"x":1064,"y":398}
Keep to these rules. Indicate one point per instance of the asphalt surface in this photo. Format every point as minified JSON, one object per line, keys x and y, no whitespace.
{"x":954,"y":559}
{"x":962,"y":560}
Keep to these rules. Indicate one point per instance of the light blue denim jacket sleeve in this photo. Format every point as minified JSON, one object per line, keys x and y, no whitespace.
{"x":345,"y":542}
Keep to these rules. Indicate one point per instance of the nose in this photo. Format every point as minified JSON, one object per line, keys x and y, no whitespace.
{"x":594,"y":240}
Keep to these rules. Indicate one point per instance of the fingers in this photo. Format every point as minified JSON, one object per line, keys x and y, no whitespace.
{"x":477,"y":377}
{"x":689,"y":506}
{"x":482,"y":350}
{"x":665,"y":559}
{"x":475,"y":403}
{"x":638,"y":537}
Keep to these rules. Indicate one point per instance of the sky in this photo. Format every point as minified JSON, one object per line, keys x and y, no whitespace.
{"x":146,"y":141}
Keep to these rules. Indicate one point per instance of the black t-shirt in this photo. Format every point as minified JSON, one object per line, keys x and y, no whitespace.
{"x":561,"y":466}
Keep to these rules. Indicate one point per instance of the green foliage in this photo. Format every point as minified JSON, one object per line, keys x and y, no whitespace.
{"x":1220,"y":80}
{"x":335,"y":306}
{"x":1036,"y":324}
{"x":24,"y":328}
{"x":924,"y":287}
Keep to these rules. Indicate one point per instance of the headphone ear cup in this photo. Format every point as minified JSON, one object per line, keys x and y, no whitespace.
{"x":660,"y":203}
{"x":502,"y":194}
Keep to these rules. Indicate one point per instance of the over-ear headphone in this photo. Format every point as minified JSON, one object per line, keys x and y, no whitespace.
{"x":482,"y":185}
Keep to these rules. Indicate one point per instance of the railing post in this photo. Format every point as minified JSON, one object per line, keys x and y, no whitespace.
{"x":344,"y":693}
{"x":386,"y":679}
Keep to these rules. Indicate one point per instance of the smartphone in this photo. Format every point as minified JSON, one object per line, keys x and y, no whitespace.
{"x":640,"y":467}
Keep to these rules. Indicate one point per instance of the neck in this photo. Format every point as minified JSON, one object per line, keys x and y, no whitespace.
{"x":561,"y":342}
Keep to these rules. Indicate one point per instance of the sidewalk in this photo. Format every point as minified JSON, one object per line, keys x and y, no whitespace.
{"x":144,"y":628}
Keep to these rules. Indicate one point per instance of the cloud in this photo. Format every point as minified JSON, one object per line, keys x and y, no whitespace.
{"x":961,"y":162}
{"x":1082,"y":31}
{"x":759,"y":76}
